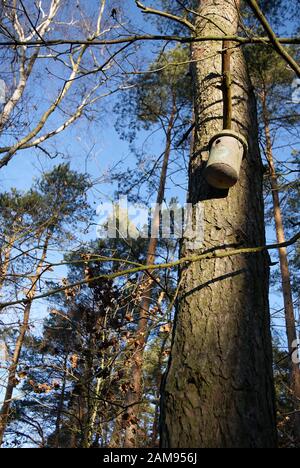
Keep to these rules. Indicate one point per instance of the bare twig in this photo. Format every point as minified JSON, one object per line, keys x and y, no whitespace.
{"x":164,"y":14}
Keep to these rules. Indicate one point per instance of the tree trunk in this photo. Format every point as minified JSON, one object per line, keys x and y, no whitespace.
{"x":4,"y":265}
{"x":159,"y":376}
{"x":291,"y":329}
{"x":136,"y":394}
{"x":116,"y":436}
{"x":12,"y":372}
{"x":218,"y":391}
{"x":55,"y":437}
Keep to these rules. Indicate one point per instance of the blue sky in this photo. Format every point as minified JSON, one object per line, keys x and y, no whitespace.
{"x":95,"y":148}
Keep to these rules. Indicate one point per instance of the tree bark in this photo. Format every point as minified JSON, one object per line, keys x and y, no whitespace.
{"x":218,"y":391}
{"x":289,"y":312}
{"x":135,"y":396}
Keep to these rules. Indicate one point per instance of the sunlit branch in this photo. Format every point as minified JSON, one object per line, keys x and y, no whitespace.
{"x":147,"y":37}
{"x":219,"y":252}
{"x":164,"y":14}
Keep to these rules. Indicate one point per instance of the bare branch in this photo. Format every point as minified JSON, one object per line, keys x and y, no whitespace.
{"x":219,"y":252}
{"x":272,"y":37}
{"x":147,"y":37}
{"x":164,"y":14}
{"x":25,"y":70}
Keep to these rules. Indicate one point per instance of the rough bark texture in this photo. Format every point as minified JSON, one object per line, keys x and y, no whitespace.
{"x":218,"y":391}
{"x":289,"y":312}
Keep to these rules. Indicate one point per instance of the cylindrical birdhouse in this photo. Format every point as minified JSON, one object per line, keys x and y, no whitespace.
{"x":227,"y":149}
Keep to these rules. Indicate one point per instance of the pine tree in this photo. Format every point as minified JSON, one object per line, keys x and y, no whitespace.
{"x":61,"y":200}
{"x":218,"y":391}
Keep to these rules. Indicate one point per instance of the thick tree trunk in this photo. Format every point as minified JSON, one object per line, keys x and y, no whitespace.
{"x":218,"y":391}
{"x":136,"y":394}
{"x":12,"y":372}
{"x":290,"y":320}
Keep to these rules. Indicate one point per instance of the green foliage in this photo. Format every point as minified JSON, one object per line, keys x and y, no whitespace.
{"x":284,"y":400}
{"x":64,"y":195}
{"x":292,"y":222}
{"x":58,"y":198}
{"x":88,"y":335}
{"x":166,"y":83}
{"x":155,"y":93}
{"x":267,"y":68}
{"x":17,"y":209}
{"x":278,"y":12}
{"x":158,"y":97}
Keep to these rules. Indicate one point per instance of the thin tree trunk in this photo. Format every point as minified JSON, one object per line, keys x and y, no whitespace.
{"x":95,"y":400}
{"x":155,"y":427}
{"x":218,"y":391}
{"x":12,"y":381}
{"x":74,"y":429}
{"x":116,"y":436}
{"x":87,"y":398}
{"x":56,"y":436}
{"x":135,"y":396}
{"x":6,"y":258}
{"x":291,"y":329}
